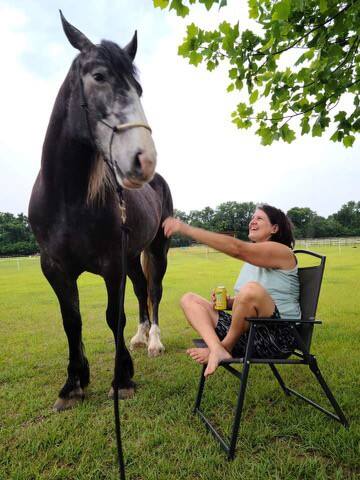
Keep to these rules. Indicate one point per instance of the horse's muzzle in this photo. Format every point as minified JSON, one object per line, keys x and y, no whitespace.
{"x":142,"y":171}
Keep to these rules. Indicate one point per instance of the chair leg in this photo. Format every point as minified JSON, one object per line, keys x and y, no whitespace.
{"x":200,"y":390}
{"x":241,"y":396}
{"x":316,"y":371}
{"x":279,"y":379}
{"x":238,"y":411}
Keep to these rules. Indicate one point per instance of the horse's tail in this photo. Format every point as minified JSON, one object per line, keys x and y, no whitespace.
{"x":145,"y":265}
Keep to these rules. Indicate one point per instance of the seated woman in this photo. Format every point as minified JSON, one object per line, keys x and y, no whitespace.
{"x":267,"y":286}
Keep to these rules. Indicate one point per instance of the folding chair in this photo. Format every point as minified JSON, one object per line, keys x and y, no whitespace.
{"x":310,"y":283}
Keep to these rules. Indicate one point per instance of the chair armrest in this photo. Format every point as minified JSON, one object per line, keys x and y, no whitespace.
{"x":289,"y":321}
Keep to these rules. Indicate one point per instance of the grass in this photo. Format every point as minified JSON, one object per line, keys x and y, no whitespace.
{"x":280,"y":438}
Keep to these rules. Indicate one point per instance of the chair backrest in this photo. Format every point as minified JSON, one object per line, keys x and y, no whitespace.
{"x":310,"y":285}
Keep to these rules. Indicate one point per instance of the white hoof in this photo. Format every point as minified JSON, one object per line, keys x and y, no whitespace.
{"x":155,"y":347}
{"x":140,"y":339}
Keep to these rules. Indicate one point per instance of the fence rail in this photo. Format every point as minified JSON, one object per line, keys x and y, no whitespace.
{"x":334,"y":241}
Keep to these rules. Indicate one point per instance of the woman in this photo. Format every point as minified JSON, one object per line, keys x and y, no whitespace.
{"x":268,"y":286}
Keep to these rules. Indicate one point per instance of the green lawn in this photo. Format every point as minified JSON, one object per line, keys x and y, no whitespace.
{"x":280,"y":438}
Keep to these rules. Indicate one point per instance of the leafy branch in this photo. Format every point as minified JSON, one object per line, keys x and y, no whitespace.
{"x":327,"y":35}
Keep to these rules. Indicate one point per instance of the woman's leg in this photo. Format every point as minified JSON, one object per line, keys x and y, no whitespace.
{"x":251,"y":301}
{"x":203,"y":318}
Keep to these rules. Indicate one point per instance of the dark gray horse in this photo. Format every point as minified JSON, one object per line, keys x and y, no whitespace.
{"x":98,"y":137}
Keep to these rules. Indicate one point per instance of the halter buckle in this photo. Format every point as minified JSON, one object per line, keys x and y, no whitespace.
{"x":122,"y":207}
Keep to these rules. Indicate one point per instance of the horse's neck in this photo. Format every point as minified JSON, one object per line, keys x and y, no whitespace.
{"x":66,"y":161}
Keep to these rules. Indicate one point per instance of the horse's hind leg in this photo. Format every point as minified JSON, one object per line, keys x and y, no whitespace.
{"x":126,"y":368}
{"x":66,"y":290}
{"x":139,"y":282}
{"x":157,"y":263}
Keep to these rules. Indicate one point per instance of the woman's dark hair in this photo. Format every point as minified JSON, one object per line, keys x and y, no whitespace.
{"x":285,"y":233}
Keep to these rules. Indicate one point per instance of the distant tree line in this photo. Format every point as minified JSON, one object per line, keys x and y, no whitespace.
{"x":16,"y":237}
{"x":233,"y":218}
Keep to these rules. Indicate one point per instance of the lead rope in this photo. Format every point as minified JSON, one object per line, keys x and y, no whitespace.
{"x":124,"y":243}
{"x":121,"y":321}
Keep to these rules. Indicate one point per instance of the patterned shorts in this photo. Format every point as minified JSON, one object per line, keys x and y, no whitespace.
{"x":271,"y":341}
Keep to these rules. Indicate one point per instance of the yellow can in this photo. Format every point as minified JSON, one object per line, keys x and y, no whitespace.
{"x":220,"y":298}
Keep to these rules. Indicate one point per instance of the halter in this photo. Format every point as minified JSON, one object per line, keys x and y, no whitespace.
{"x":124,"y":239}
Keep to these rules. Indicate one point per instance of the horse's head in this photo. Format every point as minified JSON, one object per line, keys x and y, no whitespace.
{"x":109,"y":94}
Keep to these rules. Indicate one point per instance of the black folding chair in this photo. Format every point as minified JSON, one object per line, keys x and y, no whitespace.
{"x":310,"y":283}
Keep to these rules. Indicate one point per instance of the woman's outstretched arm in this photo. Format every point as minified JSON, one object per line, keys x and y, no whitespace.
{"x":263,"y":254}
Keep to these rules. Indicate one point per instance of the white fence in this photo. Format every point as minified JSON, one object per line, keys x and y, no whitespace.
{"x":321,"y":242}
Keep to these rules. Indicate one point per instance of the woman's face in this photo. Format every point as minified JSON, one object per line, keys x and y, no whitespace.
{"x":260,"y":227}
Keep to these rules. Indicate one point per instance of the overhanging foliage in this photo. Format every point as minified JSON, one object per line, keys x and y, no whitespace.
{"x":323,"y":68}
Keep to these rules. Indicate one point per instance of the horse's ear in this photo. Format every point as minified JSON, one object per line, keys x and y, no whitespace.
{"x":75,"y":37}
{"x":131,"y":47}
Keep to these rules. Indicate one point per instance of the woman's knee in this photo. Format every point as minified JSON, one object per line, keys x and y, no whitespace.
{"x":250,"y":292}
{"x":189,"y":299}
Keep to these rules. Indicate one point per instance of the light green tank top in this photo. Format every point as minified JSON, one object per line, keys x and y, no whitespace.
{"x":282,"y":285}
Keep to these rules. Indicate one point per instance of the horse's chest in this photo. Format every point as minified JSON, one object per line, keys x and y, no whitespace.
{"x":91,"y":238}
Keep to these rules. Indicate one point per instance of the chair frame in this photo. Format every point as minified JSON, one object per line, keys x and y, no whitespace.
{"x":304,"y":357}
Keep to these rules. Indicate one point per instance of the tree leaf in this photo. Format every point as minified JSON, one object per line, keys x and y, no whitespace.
{"x":323,"y":6}
{"x":348,"y":140}
{"x":161,"y":3}
{"x":287,"y":134}
{"x":195,"y":58}
{"x":266,"y":135}
{"x":211,"y":65}
{"x":316,"y":130}
{"x":305,"y":127}
{"x":281,"y":10}
{"x":254,"y":96}
{"x":179,"y":7}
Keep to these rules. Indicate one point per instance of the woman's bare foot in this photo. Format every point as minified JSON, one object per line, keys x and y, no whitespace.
{"x":216,"y":355}
{"x":200,"y":355}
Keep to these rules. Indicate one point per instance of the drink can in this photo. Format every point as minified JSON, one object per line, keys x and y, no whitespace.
{"x":220,"y":298}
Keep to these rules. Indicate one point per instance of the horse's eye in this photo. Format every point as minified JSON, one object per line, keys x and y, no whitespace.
{"x":99,"y":77}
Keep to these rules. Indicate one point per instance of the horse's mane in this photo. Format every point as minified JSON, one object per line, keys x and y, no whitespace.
{"x":100,"y":181}
{"x":120,"y":63}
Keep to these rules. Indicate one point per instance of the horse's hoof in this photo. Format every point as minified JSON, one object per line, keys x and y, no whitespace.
{"x":123,"y":393}
{"x":75,"y":396}
{"x":156,"y":351}
{"x":62,"y":404}
{"x":137,"y":344}
{"x":140,"y":339}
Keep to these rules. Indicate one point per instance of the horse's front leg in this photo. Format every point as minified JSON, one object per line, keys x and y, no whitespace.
{"x":65,"y":287}
{"x":136,"y":274}
{"x":126,"y":387}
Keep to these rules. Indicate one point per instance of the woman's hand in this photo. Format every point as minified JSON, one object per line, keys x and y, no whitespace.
{"x":172,"y":225}
{"x":229,"y":302}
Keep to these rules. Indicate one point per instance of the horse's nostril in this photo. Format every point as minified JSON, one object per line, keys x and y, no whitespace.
{"x":143,"y":166}
{"x":137,"y":162}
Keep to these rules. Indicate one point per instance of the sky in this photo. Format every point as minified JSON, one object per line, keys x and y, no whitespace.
{"x":205,"y":159}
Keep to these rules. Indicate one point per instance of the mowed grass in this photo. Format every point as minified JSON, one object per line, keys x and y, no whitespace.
{"x":280,"y":437}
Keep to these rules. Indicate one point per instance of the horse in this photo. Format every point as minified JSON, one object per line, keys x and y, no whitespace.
{"x":97,"y":141}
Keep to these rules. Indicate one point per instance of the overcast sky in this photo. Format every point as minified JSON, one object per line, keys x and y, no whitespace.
{"x":202,"y":155}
